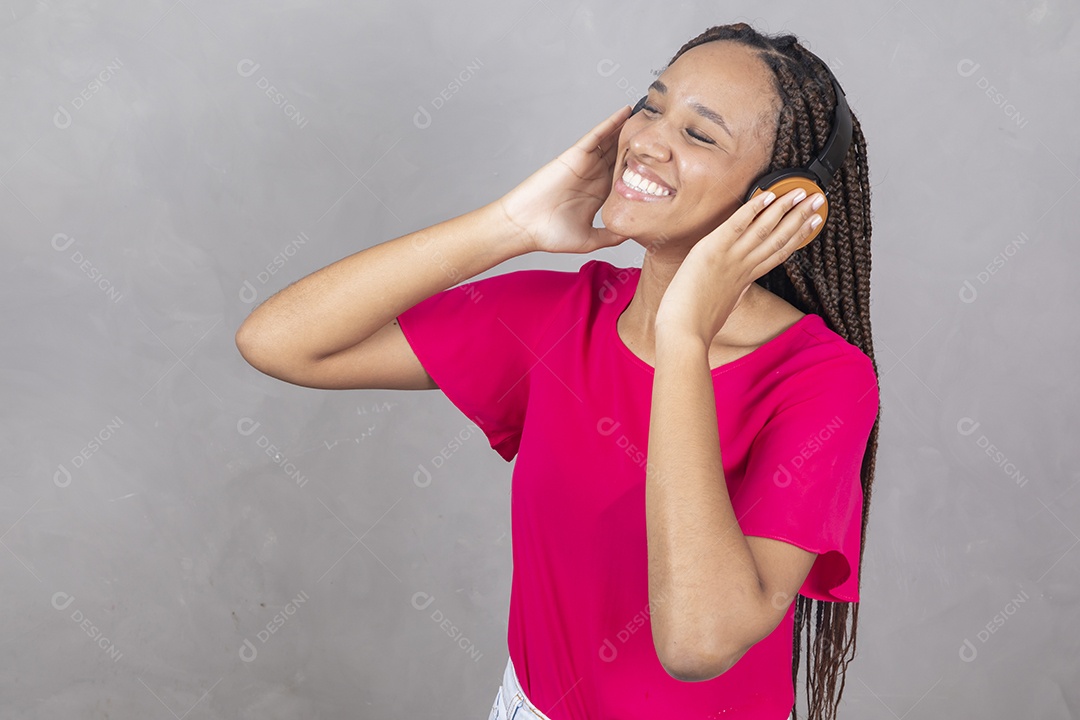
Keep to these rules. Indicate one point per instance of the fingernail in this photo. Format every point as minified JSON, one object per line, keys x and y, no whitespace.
{"x":769,"y":197}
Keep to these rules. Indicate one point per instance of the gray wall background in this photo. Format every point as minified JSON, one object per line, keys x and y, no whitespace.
{"x":165,"y":166}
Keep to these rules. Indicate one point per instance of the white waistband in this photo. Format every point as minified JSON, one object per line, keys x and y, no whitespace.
{"x":511,"y":703}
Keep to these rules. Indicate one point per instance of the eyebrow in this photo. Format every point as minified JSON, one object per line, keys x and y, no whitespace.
{"x":703,"y":111}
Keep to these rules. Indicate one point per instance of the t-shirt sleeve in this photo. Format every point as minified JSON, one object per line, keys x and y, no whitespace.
{"x":803,"y":474}
{"x":479,"y":341}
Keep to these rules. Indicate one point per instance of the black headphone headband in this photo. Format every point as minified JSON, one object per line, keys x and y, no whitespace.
{"x":824,"y":166}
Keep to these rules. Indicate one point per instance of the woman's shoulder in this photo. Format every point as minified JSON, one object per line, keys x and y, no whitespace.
{"x":813,"y":352}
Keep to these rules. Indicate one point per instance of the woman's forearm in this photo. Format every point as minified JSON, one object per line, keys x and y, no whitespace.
{"x":702,"y":575}
{"x":344,"y":303}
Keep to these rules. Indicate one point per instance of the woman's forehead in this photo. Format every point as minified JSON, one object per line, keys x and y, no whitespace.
{"x":720,"y":68}
{"x":726,"y":77}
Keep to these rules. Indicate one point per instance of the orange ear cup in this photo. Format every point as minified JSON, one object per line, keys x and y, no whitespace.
{"x":786,"y":185}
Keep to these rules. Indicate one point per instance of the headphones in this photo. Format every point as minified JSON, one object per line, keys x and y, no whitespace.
{"x":815,"y":176}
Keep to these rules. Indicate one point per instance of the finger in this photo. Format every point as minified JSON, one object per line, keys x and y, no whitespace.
{"x":744,"y":217}
{"x":601,"y":132}
{"x":760,"y":230}
{"x":610,"y":152}
{"x":788,"y":235}
{"x":609,"y":143}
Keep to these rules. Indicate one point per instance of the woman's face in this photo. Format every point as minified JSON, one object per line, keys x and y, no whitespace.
{"x":708,"y":168}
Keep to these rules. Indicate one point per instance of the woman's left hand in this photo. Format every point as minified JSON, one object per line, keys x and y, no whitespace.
{"x":720,"y":268}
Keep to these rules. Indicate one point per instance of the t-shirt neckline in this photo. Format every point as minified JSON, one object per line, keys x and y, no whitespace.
{"x":620,"y":308}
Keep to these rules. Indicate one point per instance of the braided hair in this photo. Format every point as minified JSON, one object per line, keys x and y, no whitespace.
{"x":829,"y":277}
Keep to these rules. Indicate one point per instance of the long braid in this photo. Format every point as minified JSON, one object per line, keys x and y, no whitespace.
{"x":829,"y":277}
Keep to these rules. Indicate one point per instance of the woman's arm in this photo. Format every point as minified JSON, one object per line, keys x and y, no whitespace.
{"x":713,"y":592}
{"x":341,"y":305}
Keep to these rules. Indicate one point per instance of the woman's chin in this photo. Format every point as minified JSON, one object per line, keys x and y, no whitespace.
{"x":618,"y":222}
{"x":637,"y":232}
{"x":648,"y":235}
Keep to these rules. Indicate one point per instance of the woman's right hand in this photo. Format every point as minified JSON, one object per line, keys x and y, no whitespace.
{"x":553,"y":209}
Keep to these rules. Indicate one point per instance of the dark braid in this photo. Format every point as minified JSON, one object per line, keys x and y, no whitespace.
{"x":829,"y":277}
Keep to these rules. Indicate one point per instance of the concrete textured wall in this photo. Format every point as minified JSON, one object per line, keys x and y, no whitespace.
{"x":185,"y":536}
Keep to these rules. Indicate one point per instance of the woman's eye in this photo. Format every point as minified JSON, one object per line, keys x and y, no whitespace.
{"x":692,"y":134}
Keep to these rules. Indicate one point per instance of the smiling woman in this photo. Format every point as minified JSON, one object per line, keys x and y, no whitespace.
{"x":731,"y":105}
{"x":694,"y":438}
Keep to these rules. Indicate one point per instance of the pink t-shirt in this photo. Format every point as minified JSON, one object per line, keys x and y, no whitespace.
{"x":534,"y":358}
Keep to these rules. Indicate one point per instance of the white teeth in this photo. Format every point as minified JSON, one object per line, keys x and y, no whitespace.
{"x":640,"y":184}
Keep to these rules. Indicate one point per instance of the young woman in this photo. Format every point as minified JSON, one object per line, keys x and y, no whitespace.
{"x":695,"y":438}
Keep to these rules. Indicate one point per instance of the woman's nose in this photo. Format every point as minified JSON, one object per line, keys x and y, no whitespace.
{"x":650,"y":140}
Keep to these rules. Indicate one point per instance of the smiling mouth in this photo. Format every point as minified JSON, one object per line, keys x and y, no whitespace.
{"x":634,"y":187}
{"x":632,"y":179}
